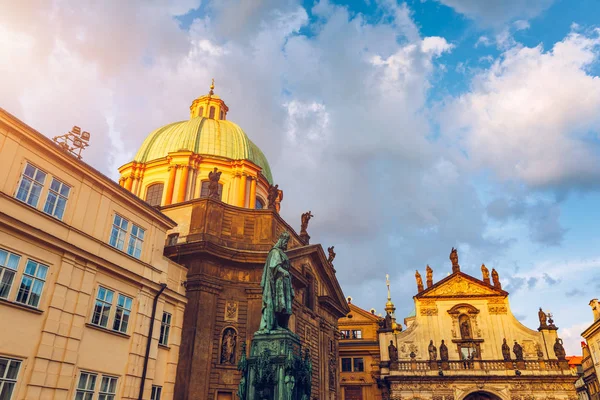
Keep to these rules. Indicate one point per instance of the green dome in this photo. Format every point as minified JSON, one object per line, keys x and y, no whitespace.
{"x":203,"y":136}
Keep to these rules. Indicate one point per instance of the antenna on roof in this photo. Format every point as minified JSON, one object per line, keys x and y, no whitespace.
{"x":74,"y":141}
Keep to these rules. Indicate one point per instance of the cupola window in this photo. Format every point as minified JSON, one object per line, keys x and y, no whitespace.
{"x":154,"y":194}
{"x":259,"y":204}
{"x":211,"y":114}
{"x":201,"y":112}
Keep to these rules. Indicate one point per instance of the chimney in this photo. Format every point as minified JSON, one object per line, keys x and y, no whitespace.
{"x":595,"y":309}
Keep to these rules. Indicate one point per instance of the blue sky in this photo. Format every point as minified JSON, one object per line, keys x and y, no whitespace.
{"x":407,"y":128}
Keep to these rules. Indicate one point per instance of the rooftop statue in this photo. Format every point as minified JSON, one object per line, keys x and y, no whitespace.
{"x":454,"y":260}
{"x":304,"y":221}
{"x":543,"y":318}
{"x":278,"y":293}
{"x":213,"y":185}
{"x":496,"y":279}
{"x":518,"y":350}
{"x":331,"y":254}
{"x":429,"y":276}
{"x":559,"y":350}
{"x":505,"y":350}
{"x":272,"y":196}
{"x":486,"y":274}
{"x":419,"y":281}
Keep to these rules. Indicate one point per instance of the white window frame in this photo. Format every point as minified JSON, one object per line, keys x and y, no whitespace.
{"x":105,"y":304}
{"x":165,"y":328}
{"x":118,"y":232}
{"x":37,"y":277}
{"x":106,"y":391}
{"x":61,"y":193}
{"x":6,"y":269}
{"x":5,"y":381}
{"x":34,"y":182}
{"x":136,"y":241}
{"x":87,"y":392}
{"x":156,"y":393}
{"x":122,"y":313}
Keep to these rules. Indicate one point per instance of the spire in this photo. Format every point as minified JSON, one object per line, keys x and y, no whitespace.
{"x":389,"y":306}
{"x":212,"y":87}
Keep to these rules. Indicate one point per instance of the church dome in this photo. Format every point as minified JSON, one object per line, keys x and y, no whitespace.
{"x":204,"y":136}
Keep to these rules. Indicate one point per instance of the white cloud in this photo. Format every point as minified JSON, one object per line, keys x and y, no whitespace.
{"x":521,"y":25}
{"x":532,"y":116}
{"x":495,"y":13}
{"x":483,"y":41}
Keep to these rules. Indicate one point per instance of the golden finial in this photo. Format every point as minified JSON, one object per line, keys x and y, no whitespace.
{"x":212,"y":87}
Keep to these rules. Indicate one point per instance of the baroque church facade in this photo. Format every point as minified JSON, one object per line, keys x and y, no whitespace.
{"x":463,"y":343}
{"x":216,"y":184}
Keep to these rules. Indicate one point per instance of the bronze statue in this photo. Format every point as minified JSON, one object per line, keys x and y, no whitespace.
{"x":278,"y":292}
{"x":243,"y":368}
{"x":543,"y":318}
{"x":331,"y":255}
{"x":289,"y":379}
{"x":505,"y":350}
{"x":429,"y":275}
{"x":454,"y":260}
{"x":432,"y":351}
{"x":304,"y":221}
{"x":419,"y":281}
{"x":393,"y":352}
{"x":518,"y":350}
{"x":213,"y":185}
{"x":559,"y":350}
{"x":496,"y":279}
{"x":272,"y":195}
{"x":486,"y":274}
{"x":443,"y":351}
{"x":228,"y":347}
{"x":387,"y":321}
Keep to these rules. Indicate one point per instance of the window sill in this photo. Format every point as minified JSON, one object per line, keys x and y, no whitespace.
{"x":25,"y":307}
{"x":163,"y":346}
{"x":102,"y":329}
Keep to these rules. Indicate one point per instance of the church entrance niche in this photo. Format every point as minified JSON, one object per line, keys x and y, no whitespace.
{"x":482,"y":396}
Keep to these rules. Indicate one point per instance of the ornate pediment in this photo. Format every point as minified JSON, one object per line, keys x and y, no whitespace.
{"x":459,"y":285}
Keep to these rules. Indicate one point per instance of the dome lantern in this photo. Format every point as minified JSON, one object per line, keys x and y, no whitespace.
{"x":209,"y":106}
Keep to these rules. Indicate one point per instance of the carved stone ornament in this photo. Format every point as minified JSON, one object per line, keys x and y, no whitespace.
{"x":231,"y":311}
{"x":459,"y":286}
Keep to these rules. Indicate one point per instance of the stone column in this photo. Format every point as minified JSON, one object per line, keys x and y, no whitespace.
{"x":171,"y":184}
{"x":252,"y":202}
{"x":183,"y":183}
{"x":235,"y":187}
{"x":129,"y":182}
{"x":196,"y":351}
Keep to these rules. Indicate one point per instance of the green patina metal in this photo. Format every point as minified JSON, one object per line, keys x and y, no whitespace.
{"x":204,"y":136}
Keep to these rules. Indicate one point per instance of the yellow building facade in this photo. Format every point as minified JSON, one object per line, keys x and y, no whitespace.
{"x":359,"y":354}
{"x":591,"y":353}
{"x":464,"y":343}
{"x":83,"y":280}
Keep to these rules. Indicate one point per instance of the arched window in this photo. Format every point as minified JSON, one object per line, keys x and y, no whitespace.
{"x":221,"y":115}
{"x":204,"y":189}
{"x":201,"y":111}
{"x":154,"y":194}
{"x":259,"y":204}
{"x":211,"y":113}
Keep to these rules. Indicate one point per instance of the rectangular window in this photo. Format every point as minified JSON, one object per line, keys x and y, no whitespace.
{"x":359,"y":365}
{"x":118,"y":232}
{"x":86,"y":386}
{"x":57,"y":199}
{"x":8,"y":269}
{"x":9,"y":370}
{"x":122,"y":313}
{"x":156,"y":393}
{"x":346,"y":365}
{"x":108,"y":388}
{"x":356,"y":334}
{"x":136,"y":239}
{"x":165,"y":328}
{"x":104,"y":300}
{"x":345,"y":334}
{"x":32,"y":283}
{"x":30,"y":187}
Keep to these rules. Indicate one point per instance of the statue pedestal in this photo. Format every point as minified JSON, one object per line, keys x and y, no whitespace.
{"x":276,"y":369}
